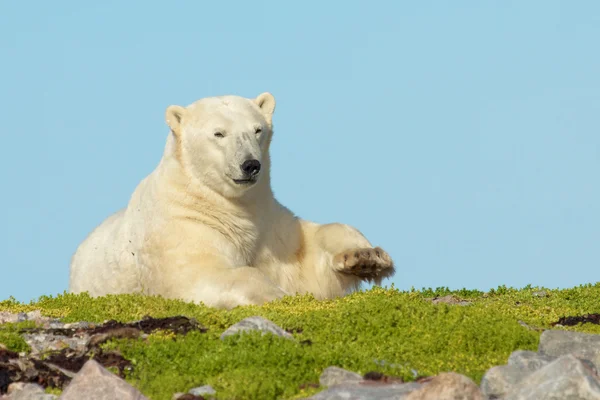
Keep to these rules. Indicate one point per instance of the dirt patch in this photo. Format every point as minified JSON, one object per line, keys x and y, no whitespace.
{"x":188,"y":396}
{"x":377,"y":377}
{"x":309,"y":385}
{"x":54,"y":368}
{"x":67,"y":361}
{"x":30,"y":371}
{"x":576,"y":320}
{"x":6,"y":355}
{"x":179,"y":325}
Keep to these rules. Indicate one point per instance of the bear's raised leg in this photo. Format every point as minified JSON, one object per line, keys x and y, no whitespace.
{"x":353,"y":254}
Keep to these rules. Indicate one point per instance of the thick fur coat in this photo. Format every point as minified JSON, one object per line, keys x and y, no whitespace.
{"x":204,"y":226}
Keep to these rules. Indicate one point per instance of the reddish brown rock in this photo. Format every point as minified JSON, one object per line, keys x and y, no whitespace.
{"x":448,"y":386}
{"x":94,"y":382}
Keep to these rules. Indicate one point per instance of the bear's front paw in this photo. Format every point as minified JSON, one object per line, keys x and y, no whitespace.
{"x":366,"y":263}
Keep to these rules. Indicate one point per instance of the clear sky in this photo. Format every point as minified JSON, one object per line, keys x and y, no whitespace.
{"x":463,"y":137}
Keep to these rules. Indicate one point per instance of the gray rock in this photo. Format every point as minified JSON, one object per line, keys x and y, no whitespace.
{"x":529,"y":361}
{"x":36,"y":316}
{"x":336,"y":376}
{"x":499,"y":380}
{"x":43,"y":342}
{"x":11,"y":318}
{"x":77,"y":325}
{"x":27,"y":391}
{"x":558,"y":343}
{"x":448,"y":386}
{"x":566,"y":378}
{"x":94,"y":382}
{"x":540,"y":293}
{"x":256,"y":323}
{"x":450,"y":299}
{"x":372,"y":391}
{"x":203,"y":391}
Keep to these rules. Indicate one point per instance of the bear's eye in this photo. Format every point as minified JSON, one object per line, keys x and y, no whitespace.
{"x":219,"y":135}
{"x":257,"y":130}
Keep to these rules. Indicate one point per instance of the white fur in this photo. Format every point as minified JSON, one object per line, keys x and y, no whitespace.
{"x":190,"y":232}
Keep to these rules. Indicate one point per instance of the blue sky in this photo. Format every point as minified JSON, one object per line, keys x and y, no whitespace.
{"x":463,"y":137}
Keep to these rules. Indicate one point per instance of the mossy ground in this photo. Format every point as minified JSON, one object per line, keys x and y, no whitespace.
{"x":384,"y":330}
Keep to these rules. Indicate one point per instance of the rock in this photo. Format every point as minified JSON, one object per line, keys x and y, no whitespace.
{"x":256,"y":323}
{"x":94,"y":382}
{"x":205,"y":390}
{"x":11,"y":318}
{"x":500,"y":379}
{"x":337,"y":376}
{"x":449,"y":299}
{"x":564,"y":378}
{"x":448,"y":386}
{"x":27,"y":391}
{"x":35,"y":316}
{"x":41,"y":343}
{"x":558,"y":343}
{"x":540,"y":293}
{"x":395,"y":391}
{"x":529,"y":361}
{"x":529,"y":327}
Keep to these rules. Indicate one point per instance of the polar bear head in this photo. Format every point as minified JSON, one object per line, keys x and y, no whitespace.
{"x":223,"y":142}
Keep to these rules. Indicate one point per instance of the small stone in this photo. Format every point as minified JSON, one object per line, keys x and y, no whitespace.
{"x":394,"y":391}
{"x":529,"y":361}
{"x":28,"y":391}
{"x":256,"y":323}
{"x":529,"y":327}
{"x":94,"y":382}
{"x":205,"y":390}
{"x":7,"y":317}
{"x":448,"y":386}
{"x":77,"y":325}
{"x":337,"y":376}
{"x":557,"y":343}
{"x":499,"y":380}
{"x":564,"y":378}
{"x":450,"y":299}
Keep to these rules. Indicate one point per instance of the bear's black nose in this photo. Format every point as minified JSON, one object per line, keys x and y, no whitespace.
{"x":250,"y":167}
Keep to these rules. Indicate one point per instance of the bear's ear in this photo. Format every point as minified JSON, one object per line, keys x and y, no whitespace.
{"x":173,"y":117}
{"x":266,"y":103}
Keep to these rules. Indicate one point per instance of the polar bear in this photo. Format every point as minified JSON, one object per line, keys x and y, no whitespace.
{"x":205,"y":227}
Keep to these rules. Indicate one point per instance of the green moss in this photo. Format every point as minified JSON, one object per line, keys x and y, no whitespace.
{"x":53,"y":391}
{"x":389,"y":331}
{"x":10,"y":337}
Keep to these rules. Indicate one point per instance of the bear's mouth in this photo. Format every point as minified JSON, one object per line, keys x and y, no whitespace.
{"x":245,"y":181}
